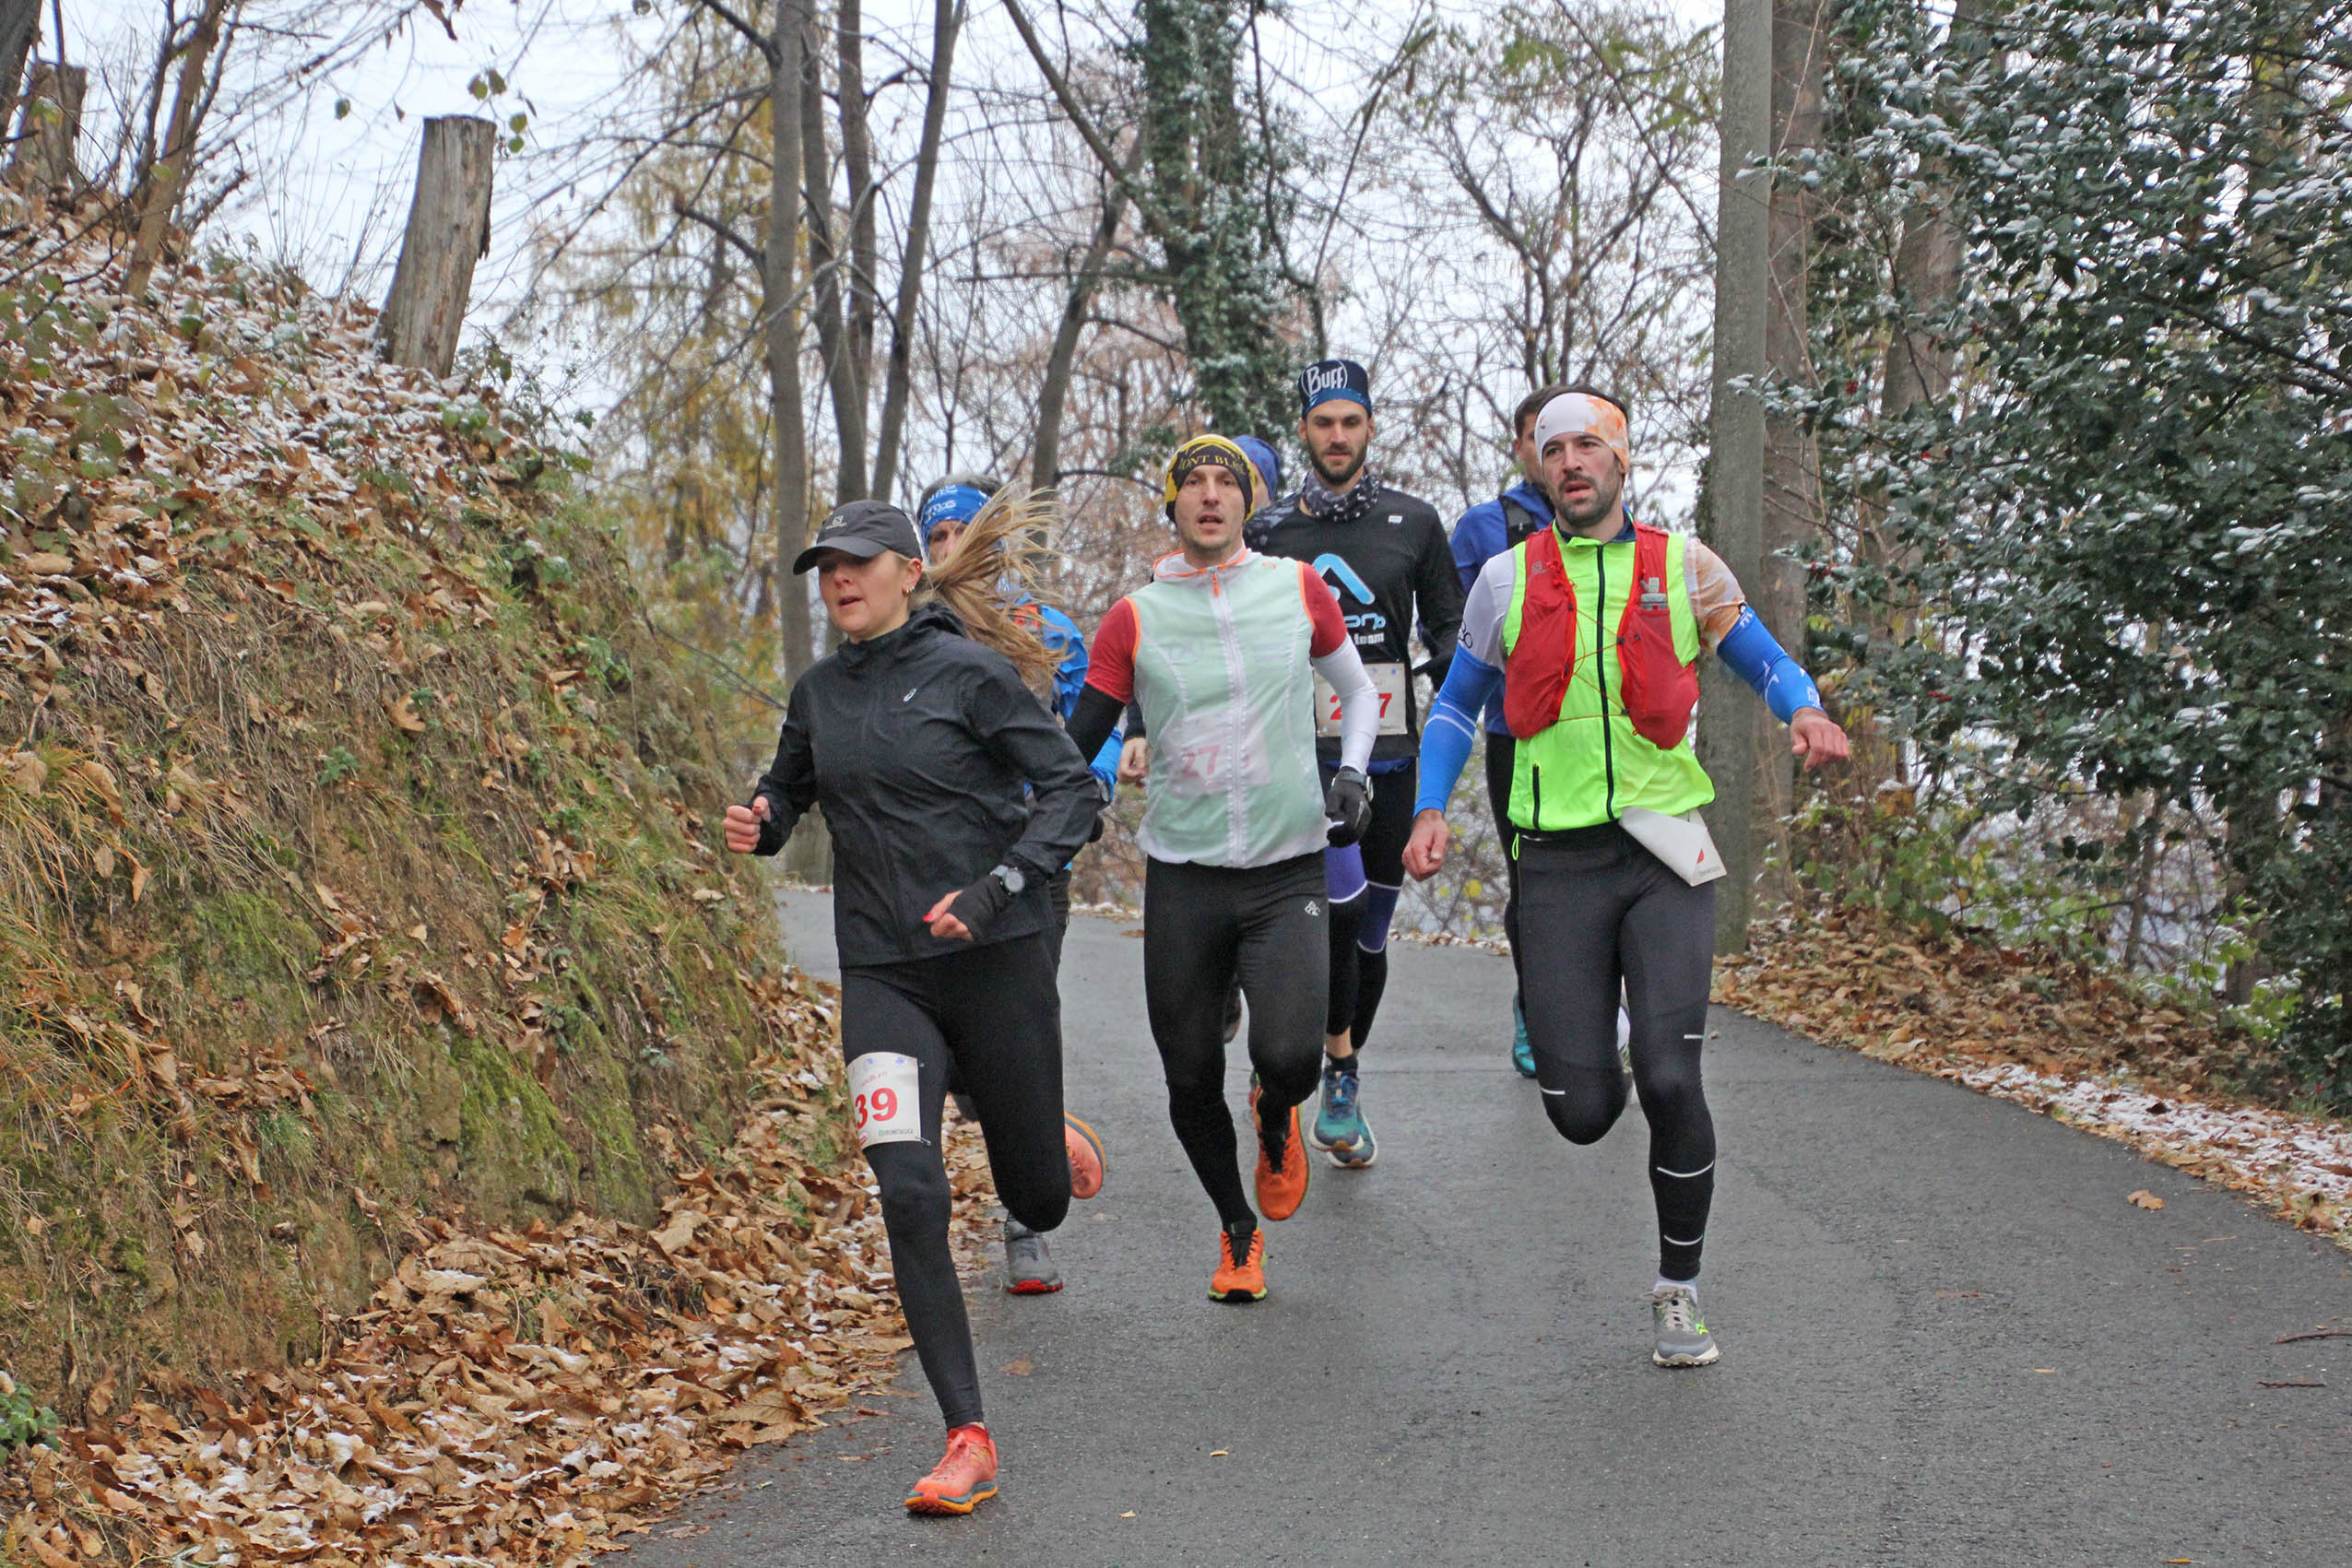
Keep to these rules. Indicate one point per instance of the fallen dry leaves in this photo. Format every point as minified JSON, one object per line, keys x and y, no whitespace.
{"x":283,"y":400}
{"x":2070,"y":1040}
{"x":520,"y":1396}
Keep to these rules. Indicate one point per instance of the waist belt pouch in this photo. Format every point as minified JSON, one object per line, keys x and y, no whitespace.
{"x":1682,"y":843}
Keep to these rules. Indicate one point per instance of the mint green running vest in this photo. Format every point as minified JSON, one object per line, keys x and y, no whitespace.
{"x":1224,"y":678}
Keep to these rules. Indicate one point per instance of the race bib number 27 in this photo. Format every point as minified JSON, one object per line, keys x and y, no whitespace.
{"x":886,"y":1097}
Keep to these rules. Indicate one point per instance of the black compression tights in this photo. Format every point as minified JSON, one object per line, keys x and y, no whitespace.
{"x":1502,"y":753}
{"x":1596,"y":910}
{"x":990,"y":1018}
{"x":1203,"y":926}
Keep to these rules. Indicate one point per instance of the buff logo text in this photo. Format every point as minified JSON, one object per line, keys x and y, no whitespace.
{"x":1321,"y":380}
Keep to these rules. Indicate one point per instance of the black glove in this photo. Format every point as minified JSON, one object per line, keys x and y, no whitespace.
{"x":978,"y":905}
{"x":1347,"y":803}
{"x":774,"y":828}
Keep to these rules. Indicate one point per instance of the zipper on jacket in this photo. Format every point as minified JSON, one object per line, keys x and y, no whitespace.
{"x":1535,"y":785}
{"x":1237,"y":705}
{"x":1600,"y":674}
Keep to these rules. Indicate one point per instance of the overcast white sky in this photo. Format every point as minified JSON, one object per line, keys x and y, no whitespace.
{"x":329,"y":193}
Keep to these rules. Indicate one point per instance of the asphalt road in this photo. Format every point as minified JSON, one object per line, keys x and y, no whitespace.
{"x":1947,"y":1338}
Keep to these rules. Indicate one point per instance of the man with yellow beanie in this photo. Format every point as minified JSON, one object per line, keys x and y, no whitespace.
{"x":1220,"y":650}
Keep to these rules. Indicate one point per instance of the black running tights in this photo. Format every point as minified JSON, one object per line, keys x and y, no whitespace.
{"x":1203,"y":926}
{"x":991,"y":1017}
{"x":1598,"y":910}
{"x":1502,"y":752}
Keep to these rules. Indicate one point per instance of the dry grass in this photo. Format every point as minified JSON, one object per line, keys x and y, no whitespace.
{"x":356,"y":839}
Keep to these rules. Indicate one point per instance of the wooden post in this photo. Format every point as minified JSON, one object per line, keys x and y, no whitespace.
{"x":1728,"y":713}
{"x":53,"y":124}
{"x":448,"y":231}
{"x":19,"y":29}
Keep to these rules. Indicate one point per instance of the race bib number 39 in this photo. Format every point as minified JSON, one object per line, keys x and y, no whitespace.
{"x":1388,"y":681}
{"x":886,"y":1099}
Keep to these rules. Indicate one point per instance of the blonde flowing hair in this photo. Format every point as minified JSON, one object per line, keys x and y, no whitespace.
{"x":997,"y":563}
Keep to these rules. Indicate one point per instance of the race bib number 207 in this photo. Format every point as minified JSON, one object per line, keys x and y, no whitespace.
{"x":886,"y":1097}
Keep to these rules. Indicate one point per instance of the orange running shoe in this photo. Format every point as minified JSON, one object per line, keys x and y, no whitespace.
{"x":964,"y":1480}
{"x":1281,"y":1188}
{"x":1242,"y":1282}
{"x":1087,"y":1165}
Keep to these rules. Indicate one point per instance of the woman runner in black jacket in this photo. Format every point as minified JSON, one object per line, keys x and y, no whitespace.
{"x":918,"y":741}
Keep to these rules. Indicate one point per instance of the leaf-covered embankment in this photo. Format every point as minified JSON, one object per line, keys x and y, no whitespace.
{"x":356,"y":848}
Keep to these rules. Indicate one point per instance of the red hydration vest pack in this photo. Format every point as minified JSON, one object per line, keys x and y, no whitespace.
{"x":1658,"y":689}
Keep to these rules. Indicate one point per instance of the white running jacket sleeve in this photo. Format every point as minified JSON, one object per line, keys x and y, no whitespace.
{"x":1359,"y":704}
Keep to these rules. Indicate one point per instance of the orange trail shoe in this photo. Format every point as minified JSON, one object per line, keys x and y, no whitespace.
{"x":1087,"y":1164}
{"x":1239,"y":1281}
{"x":964,"y":1480}
{"x":1282,"y":1186}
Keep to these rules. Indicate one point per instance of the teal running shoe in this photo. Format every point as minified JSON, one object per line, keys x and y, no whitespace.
{"x":1340,"y":1131}
{"x":1522,"y":1053}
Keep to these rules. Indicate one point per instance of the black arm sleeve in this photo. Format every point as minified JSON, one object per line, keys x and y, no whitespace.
{"x":1135,"y":726}
{"x":1063,"y":802}
{"x":790,"y":783}
{"x":1437,"y":597}
{"x":1096,"y":715}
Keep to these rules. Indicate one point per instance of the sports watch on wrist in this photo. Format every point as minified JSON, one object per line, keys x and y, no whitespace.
{"x":1012,"y":878}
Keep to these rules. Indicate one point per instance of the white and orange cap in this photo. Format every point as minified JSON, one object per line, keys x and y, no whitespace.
{"x":1581,"y":413}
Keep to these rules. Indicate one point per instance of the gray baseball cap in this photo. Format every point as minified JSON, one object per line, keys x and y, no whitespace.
{"x":863,"y":529}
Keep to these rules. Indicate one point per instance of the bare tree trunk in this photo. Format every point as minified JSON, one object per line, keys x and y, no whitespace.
{"x":1791,"y":478}
{"x":448,"y":231}
{"x":19,"y":31}
{"x":45,"y":149}
{"x":825,"y":279}
{"x":171,"y":169}
{"x":780,"y":254}
{"x":947,"y":18}
{"x":1046,"y":452}
{"x":1927,"y":272}
{"x":1917,"y":370}
{"x":1729,"y":719}
{"x":858,"y":164}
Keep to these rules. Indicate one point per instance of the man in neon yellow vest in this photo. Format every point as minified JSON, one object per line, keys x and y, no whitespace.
{"x":1592,"y":629}
{"x":1221,"y":650}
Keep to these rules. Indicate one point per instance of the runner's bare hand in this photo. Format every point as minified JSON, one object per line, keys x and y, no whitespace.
{"x":1135,"y":760}
{"x":1814,"y":736}
{"x":944,"y":925}
{"x":744,"y":823}
{"x":1426,"y":850}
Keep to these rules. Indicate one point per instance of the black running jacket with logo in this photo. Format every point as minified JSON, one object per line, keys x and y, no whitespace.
{"x":1389,"y":569}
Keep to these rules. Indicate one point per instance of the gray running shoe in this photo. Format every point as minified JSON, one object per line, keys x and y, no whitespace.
{"x":1682,"y":1339}
{"x":1029,"y":1268}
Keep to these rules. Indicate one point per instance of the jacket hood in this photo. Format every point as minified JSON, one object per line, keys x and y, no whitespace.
{"x":1528,"y":495}
{"x":935,"y":616}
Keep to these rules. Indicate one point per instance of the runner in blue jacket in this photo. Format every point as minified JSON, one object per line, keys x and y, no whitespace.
{"x":1480,"y":534}
{"x":948,"y":506}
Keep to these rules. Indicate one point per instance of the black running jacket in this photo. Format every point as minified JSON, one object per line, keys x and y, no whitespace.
{"x":919,"y":744}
